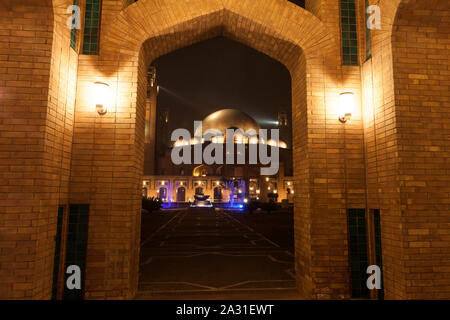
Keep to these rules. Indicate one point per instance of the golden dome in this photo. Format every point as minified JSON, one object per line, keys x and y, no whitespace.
{"x":229,"y":119}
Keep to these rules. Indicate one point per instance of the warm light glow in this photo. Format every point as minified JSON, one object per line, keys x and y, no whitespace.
{"x":101,"y":97}
{"x":258,"y":191}
{"x":251,"y":188}
{"x":283,"y":145}
{"x":289,"y":183}
{"x":292,"y":191}
{"x":181,"y":183}
{"x":253,"y":140}
{"x":239,"y":138}
{"x":245,"y":200}
{"x":194,"y":141}
{"x":268,"y":188}
{"x":240,"y":191}
{"x":219,"y":139}
{"x":267,"y":179}
{"x":275,"y":191}
{"x":181,"y":143}
{"x":272,"y":143}
{"x":217,"y":183}
{"x":347,"y":106}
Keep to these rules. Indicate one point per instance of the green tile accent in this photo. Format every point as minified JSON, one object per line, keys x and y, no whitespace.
{"x":378,"y":253}
{"x":77,"y":233}
{"x":57,"y":255}
{"x":356,"y":219}
{"x":91,"y":27}
{"x":74,"y":32}
{"x":349,"y":33}
{"x":368,"y":35}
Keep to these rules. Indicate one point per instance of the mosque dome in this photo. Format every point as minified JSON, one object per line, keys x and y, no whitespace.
{"x":229,"y":119}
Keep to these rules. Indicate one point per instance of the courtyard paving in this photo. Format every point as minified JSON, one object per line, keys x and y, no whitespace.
{"x":209,"y":254}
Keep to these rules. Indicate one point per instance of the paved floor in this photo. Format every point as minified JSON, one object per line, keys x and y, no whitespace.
{"x":206,"y":254}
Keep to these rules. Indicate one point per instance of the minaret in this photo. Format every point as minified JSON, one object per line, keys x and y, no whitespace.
{"x":284,"y":126}
{"x":150,"y":123}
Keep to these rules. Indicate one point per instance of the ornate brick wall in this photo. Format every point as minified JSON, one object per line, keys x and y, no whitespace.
{"x":271,"y":27}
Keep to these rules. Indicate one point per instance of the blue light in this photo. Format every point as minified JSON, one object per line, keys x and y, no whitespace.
{"x":166,"y":205}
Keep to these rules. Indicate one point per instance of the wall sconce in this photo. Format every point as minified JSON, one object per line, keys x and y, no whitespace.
{"x":101,"y":95}
{"x":347,"y":107}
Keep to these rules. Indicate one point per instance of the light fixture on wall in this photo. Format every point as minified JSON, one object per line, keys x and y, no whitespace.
{"x":101,"y":95}
{"x":347,"y":106}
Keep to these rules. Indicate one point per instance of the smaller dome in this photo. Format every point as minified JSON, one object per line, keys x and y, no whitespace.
{"x":272,"y":143}
{"x":282,"y":145}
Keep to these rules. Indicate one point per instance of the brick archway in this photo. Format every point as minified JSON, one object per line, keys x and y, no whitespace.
{"x":148,"y":29}
{"x":59,"y":151}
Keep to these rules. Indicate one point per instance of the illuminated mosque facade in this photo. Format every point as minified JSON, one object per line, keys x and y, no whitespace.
{"x":226,"y":184}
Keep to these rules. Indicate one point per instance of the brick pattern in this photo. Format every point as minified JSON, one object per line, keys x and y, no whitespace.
{"x":124,"y":58}
{"x":421,"y":60}
{"x":382,"y":149}
{"x":55,"y":149}
{"x":37,"y":79}
{"x":406,"y":92}
{"x":315,"y":6}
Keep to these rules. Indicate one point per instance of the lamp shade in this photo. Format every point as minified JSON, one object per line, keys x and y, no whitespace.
{"x":347,"y":106}
{"x":102,"y":97}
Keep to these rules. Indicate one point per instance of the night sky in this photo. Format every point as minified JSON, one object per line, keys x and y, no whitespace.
{"x":220,"y":73}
